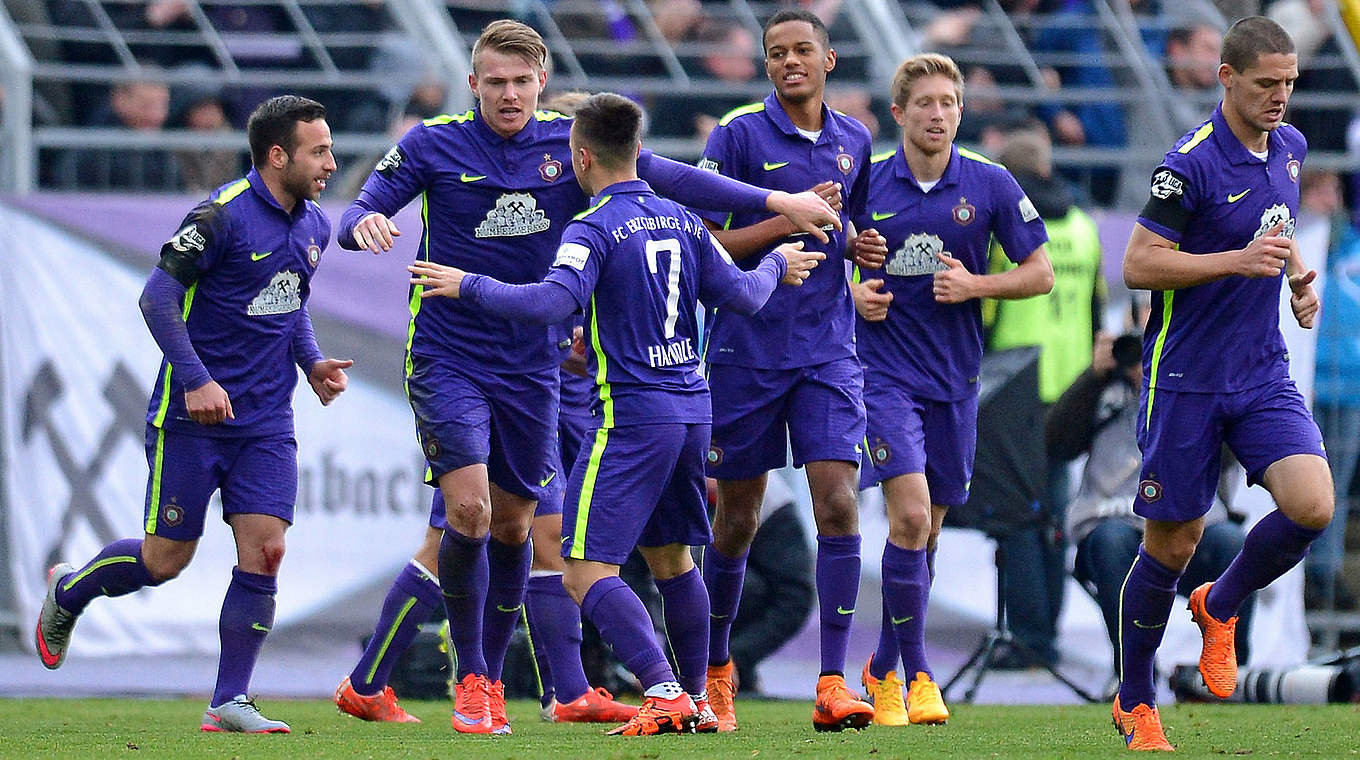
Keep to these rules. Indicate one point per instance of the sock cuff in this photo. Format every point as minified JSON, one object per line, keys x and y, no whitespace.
{"x":546,"y":584}
{"x":1292,"y":529}
{"x":598,"y":591}
{"x":260,"y":584}
{"x":690,"y":576}
{"x":416,"y":583}
{"x":452,"y":535}
{"x":1159,"y":575}
{"x":496,"y":550}
{"x":898,"y":558}
{"x":722,"y":561}
{"x":844,"y":545}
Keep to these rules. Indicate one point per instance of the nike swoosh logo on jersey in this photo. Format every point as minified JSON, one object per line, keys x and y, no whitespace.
{"x":548,"y":479}
{"x":260,"y":256}
{"x":1238,"y":197}
{"x":879,"y":216}
{"x":901,"y":620}
{"x":772,"y":165}
{"x":843,"y":611}
{"x":471,"y":177}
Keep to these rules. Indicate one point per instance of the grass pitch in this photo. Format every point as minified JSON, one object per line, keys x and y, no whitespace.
{"x":144,"y":728}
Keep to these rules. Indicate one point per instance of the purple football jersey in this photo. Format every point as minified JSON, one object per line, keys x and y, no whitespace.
{"x":935,"y":349}
{"x":252,"y":265}
{"x":813,"y":324}
{"x":1211,"y":194}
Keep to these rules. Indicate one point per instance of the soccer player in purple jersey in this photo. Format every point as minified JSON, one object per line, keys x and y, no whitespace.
{"x":228,"y":306}
{"x":939,"y":206}
{"x":1213,"y":244}
{"x":496,"y":190}
{"x":636,"y":264}
{"x":789,"y":373}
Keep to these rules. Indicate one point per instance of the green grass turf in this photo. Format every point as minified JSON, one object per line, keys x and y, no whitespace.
{"x":144,"y":728}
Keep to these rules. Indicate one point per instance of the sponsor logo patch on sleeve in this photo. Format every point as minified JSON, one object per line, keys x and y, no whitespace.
{"x":572,"y":255}
{"x":1027,"y":210}
{"x":1166,"y":185}
{"x":709,"y":165}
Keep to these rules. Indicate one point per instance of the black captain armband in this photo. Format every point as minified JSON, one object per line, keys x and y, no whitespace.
{"x":1165,"y":204}
{"x":180,"y":254}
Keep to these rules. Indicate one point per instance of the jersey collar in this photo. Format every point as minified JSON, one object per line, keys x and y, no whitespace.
{"x":951,"y":170}
{"x":1232,"y":148}
{"x":261,"y":191}
{"x":831,"y":129}
{"x":627,"y":186}
{"x":522,"y":137}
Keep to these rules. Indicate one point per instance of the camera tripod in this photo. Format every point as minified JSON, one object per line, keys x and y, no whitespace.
{"x":982,"y":658}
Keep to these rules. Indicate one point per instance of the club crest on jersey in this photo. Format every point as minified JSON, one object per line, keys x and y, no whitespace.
{"x":172,"y":514}
{"x":881,"y":453}
{"x":1150,"y":490}
{"x":515,"y":214}
{"x":715,"y":456}
{"x":917,"y":255}
{"x":965,"y":212}
{"x":313,"y":254}
{"x":1277,"y":214}
{"x":1293,"y":168}
{"x":845,"y":162}
{"x":188,"y":239}
{"x":551,"y":169}
{"x":282,"y":295}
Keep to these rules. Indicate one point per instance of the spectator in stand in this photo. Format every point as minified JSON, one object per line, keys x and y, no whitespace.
{"x":1192,"y":68}
{"x":729,"y":60}
{"x":140,"y":105}
{"x":200,"y":108}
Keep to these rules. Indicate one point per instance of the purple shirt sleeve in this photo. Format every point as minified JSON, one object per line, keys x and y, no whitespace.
{"x":161,"y":308}
{"x":395,"y":181}
{"x":695,"y":187}
{"x":305,"y":350}
{"x":724,"y":285}
{"x":542,"y":302}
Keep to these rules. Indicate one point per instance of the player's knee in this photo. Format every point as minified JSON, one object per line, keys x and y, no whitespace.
{"x":737,"y":525}
{"x":470,"y":516}
{"x":1312,"y":513}
{"x":271,"y":555}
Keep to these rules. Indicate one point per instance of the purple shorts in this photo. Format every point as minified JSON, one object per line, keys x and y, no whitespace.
{"x":571,"y":431}
{"x":503,"y":421}
{"x":820,"y":407}
{"x":1182,"y":434}
{"x":257,"y":476}
{"x":637,"y":485}
{"x":909,"y":434}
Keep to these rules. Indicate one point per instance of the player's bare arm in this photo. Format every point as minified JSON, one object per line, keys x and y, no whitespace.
{"x":437,"y":279}
{"x":375,"y":233}
{"x":757,"y":238}
{"x":328,"y":379}
{"x":1152,"y":262}
{"x":807,"y":210}
{"x":1031,"y":277}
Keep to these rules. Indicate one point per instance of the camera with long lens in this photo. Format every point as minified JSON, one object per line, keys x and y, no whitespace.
{"x":1127,"y":350}
{"x":1298,"y":685}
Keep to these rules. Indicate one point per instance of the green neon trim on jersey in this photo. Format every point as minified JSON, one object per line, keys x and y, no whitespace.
{"x":391,"y":632}
{"x":169,"y":368}
{"x":592,"y":209}
{"x":856,"y":275}
{"x":578,"y":536}
{"x":416,"y":290}
{"x":550,"y":115}
{"x":741,"y":111}
{"x":964,"y":152}
{"x":158,"y":461}
{"x":1200,"y":135}
{"x":231,"y":191}
{"x":879,"y":158}
{"x":1167,"y":298}
{"x":602,"y":373}
{"x":75,"y":578}
{"x":450,"y":118}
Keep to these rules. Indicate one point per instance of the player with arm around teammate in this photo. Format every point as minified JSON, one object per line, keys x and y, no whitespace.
{"x":636,"y":264}
{"x":938,"y":206}
{"x":1213,"y":244}
{"x":227,"y":304}
{"x":496,"y":191}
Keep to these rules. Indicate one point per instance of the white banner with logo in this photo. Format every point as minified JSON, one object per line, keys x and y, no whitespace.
{"x":76,"y":367}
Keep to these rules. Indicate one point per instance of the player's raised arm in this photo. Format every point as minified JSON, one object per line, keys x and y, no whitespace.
{"x":365,"y":225}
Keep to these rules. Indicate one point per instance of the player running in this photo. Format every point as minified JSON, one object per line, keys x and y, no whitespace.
{"x":1213,"y":244}
{"x":227,"y":304}
{"x":919,"y":336}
